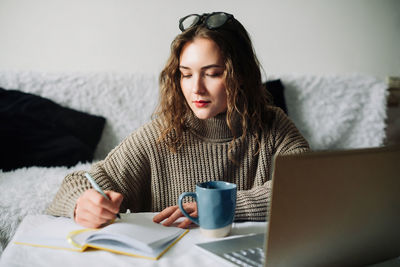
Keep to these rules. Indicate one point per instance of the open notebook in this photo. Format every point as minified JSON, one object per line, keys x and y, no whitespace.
{"x":135,"y":234}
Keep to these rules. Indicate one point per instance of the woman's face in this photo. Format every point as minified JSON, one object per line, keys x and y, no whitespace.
{"x":202,"y":78}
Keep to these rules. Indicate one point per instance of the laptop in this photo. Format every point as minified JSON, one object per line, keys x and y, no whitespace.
{"x":328,"y":208}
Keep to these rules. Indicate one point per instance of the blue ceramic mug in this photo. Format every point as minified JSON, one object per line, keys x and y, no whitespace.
{"x":216,"y":203}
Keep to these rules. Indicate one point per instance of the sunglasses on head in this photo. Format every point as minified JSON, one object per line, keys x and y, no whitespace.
{"x":212,"y":21}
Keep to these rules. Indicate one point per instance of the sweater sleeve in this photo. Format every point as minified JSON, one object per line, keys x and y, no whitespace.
{"x":284,"y":138}
{"x":125,"y":170}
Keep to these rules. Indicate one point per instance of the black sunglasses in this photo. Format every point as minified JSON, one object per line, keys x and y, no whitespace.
{"x":212,"y":21}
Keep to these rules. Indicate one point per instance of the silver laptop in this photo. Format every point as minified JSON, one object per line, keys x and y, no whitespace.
{"x":337,"y":208}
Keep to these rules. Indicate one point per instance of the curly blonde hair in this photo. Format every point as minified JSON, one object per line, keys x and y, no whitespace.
{"x":247,"y":98}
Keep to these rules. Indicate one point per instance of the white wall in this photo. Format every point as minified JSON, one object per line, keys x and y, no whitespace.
{"x":290,"y":36}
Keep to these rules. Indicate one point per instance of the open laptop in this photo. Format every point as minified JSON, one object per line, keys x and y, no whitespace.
{"x":337,"y":208}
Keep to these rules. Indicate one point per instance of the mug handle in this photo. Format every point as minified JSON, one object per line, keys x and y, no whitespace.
{"x":181,"y":197}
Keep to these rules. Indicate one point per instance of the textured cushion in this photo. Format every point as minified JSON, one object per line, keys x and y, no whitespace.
{"x":35,"y":131}
{"x":276,"y":89}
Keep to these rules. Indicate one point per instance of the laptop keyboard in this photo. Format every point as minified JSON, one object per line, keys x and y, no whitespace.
{"x":246,"y":257}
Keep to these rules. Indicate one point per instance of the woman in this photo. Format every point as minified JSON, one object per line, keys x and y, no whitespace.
{"x":214,"y":122}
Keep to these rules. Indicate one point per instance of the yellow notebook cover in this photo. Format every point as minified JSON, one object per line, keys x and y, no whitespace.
{"x":135,"y":234}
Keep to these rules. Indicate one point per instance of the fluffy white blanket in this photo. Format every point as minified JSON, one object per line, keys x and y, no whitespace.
{"x":332,"y":112}
{"x":337,"y":111}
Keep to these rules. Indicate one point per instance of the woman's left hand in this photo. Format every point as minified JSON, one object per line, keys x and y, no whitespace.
{"x":171,"y":214}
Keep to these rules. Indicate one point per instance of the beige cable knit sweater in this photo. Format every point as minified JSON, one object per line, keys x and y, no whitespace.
{"x":151,"y":178}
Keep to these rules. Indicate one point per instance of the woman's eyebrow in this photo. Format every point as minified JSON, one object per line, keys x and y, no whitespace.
{"x":212,"y":66}
{"x":204,"y":67}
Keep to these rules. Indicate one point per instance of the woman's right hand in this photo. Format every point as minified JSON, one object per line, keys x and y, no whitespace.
{"x":92,"y":210}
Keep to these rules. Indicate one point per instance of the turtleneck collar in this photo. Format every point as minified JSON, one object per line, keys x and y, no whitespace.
{"x":214,"y":129}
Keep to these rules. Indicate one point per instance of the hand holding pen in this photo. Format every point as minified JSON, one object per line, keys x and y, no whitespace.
{"x":95,"y":208}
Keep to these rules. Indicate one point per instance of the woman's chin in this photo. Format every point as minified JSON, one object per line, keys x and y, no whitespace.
{"x":203,"y":115}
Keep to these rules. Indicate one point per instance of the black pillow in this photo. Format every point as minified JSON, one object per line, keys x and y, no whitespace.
{"x":276,"y":89}
{"x":35,"y":131}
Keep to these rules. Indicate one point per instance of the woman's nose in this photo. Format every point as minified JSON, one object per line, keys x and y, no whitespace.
{"x":198,"y":85}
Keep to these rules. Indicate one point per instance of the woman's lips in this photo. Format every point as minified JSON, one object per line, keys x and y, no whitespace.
{"x":201,"y":103}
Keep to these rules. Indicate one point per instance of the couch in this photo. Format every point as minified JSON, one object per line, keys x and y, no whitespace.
{"x":331,"y":111}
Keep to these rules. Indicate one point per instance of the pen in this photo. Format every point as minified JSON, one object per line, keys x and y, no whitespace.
{"x":98,"y":189}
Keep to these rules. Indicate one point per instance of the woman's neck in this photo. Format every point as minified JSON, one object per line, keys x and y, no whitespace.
{"x":213,"y":129}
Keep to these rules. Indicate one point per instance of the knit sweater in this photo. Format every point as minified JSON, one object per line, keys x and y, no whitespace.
{"x":151,"y":177}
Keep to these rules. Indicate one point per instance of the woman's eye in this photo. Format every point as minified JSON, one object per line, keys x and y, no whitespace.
{"x":186,"y":75}
{"x":216,"y":74}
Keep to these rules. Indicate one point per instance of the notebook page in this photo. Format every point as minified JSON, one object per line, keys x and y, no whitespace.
{"x":137,"y":230}
{"x":52,"y":234}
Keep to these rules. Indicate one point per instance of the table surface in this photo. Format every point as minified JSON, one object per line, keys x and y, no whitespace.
{"x":183,"y":253}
